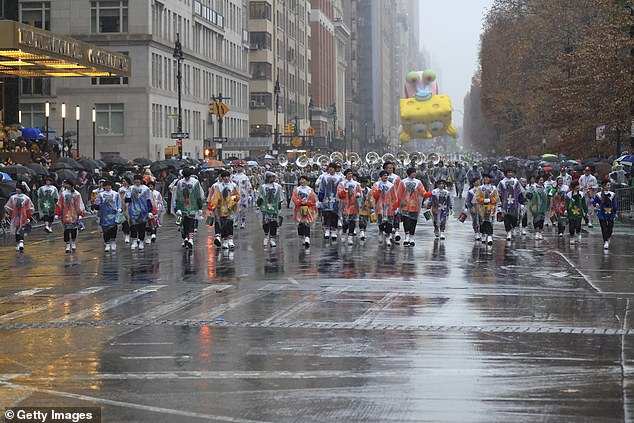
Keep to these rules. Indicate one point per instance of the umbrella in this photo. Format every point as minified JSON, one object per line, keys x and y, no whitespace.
{"x":67,"y":174}
{"x":70,"y":162}
{"x":43,"y":129}
{"x":115,"y":160}
{"x":69,"y":134}
{"x":252,"y":163}
{"x":18,"y":170}
{"x":32,"y":134}
{"x":90,"y":164}
{"x":38,"y":168}
{"x":7,"y":188}
{"x":213,"y":163}
{"x":550,"y":157}
{"x":61,"y":165}
{"x":548,"y":169}
{"x":142,"y":161}
{"x":5,"y":177}
{"x":626,"y":159}
{"x":269,"y":157}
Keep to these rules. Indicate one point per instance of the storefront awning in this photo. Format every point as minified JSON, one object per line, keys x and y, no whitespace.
{"x":31,"y":52}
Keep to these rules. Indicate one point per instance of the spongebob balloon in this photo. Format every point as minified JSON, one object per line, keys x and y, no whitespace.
{"x":424,"y":112}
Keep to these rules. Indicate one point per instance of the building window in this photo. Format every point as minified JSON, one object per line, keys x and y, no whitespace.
{"x":260,"y":40}
{"x":35,"y":86}
{"x":33,"y":115}
{"x":261,"y":71}
{"x":259,"y":10}
{"x":111,"y":80}
{"x":261,"y":101}
{"x":109,"y":119}
{"x":109,"y":16}
{"x":258,"y":130}
{"x":36,"y":13}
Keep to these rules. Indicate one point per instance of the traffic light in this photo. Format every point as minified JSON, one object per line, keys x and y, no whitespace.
{"x":289,"y":129}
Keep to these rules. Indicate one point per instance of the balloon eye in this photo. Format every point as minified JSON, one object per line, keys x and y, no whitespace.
{"x":419,"y":128}
{"x":436,"y":126}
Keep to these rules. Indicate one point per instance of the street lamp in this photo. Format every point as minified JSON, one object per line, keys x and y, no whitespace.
{"x":94,"y":132}
{"x":64,"y":129}
{"x":20,"y":117}
{"x":334,"y":122}
{"x":77,"y":128}
{"x":47,"y":114}
{"x":276,"y":90}
{"x":179,"y":56}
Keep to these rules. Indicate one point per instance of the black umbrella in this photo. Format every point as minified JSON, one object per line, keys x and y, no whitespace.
{"x":61,"y":165}
{"x":18,"y":170}
{"x":7,"y":187}
{"x":71,"y":163}
{"x":90,"y":164}
{"x":115,"y":160}
{"x":38,"y":168}
{"x":142,"y":161}
{"x":67,"y":174}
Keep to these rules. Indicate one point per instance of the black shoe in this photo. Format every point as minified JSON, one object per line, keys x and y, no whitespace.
{"x":412,"y":243}
{"x":406,"y":244}
{"x":217,"y":242}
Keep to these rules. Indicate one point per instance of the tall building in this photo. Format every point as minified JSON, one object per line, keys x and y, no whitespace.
{"x":135,"y":116}
{"x":279,"y":39}
{"x":9,"y":93}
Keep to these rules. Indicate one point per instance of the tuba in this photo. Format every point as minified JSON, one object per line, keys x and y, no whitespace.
{"x":302,"y":161}
{"x":282,"y":160}
{"x":403,"y":157}
{"x":372,"y":158}
{"x":354,"y":159}
{"x":336,"y":157}
{"x":322,"y":160}
{"x":417,"y":158}
{"x":434,"y":158}
{"x":388,"y":157}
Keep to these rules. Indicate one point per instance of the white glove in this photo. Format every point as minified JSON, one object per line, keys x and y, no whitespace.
{"x":150,"y":216}
{"x":179,"y":213}
{"x":119,"y":211}
{"x":487,"y":200}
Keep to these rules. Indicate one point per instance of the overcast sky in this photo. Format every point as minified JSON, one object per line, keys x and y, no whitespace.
{"x":450,"y":32}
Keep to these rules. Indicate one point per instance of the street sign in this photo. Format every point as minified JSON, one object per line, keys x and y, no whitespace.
{"x":310,"y":132}
{"x":221,"y":139}
{"x":296,"y":141}
{"x":179,"y":135}
{"x":172,"y":116}
{"x":219,"y":109}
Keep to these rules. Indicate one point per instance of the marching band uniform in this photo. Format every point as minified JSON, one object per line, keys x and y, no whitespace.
{"x":269,"y":201}
{"x":189,"y":204}
{"x":125,"y":226}
{"x":108,"y":204}
{"x":410,"y":194}
{"x":576,"y":210}
{"x":441,"y":207}
{"x":558,"y":206}
{"x":589,"y":186}
{"x":70,"y":209}
{"x":155,"y":223}
{"x":47,"y":198}
{"x":385,"y":203}
{"x":327,"y":195}
{"x":245,"y":190}
{"x":396,"y":181}
{"x":139,"y":201}
{"x":605,"y":202}
{"x":523,"y":219}
{"x":471,"y":208}
{"x":460,"y":176}
{"x":223,"y":203}
{"x":487,"y":200}
{"x":511,"y":201}
{"x":365,"y":209}
{"x":305,"y":212}
{"x":538,"y":203}
{"x":20,"y":209}
{"x":349,"y":193}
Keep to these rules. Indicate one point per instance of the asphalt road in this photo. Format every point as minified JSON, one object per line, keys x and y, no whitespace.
{"x":447,"y":331}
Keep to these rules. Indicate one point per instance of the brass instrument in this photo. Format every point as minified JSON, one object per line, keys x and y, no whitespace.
{"x":372,"y":158}
{"x":302,"y":161}
{"x":336,"y":157}
{"x":417,"y":158}
{"x":354,"y":159}
{"x":322,"y":160}
{"x":282,"y":159}
{"x":388,"y":157}
{"x":434,"y":158}
{"x":403,"y":157}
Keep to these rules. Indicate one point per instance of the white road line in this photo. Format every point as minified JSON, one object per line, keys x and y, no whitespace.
{"x":156,"y":357}
{"x":376,"y":308}
{"x":237,"y":302}
{"x":161,"y":410}
{"x":293,"y":281}
{"x":21,"y":294}
{"x":127,"y":344}
{"x":172,"y":306}
{"x":59,"y":301}
{"x":110,"y":304}
{"x":587,"y":279}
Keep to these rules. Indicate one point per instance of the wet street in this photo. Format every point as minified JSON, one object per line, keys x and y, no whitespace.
{"x":447,"y":331}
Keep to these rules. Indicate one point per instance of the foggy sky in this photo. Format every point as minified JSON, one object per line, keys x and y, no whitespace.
{"x":450,"y":32}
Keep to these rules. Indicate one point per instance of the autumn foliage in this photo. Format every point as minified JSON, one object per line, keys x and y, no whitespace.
{"x":553,"y":70}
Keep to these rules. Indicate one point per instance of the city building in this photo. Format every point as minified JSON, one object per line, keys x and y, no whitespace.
{"x":136,"y":115}
{"x":279,"y":66}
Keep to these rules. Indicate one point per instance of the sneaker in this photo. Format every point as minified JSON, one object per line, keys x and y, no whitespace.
{"x":579,"y":238}
{"x":490,"y":240}
{"x":388,"y":241}
{"x":195,"y":230}
{"x":333,"y":235}
{"x":272,"y":242}
{"x":362,"y":235}
{"x":217,"y":241}
{"x":484,"y":239}
{"x":141,"y":245}
{"x":509,"y":236}
{"x":73,"y":245}
{"x":411,"y":242}
{"x":113,"y":246}
{"x":21,"y":246}
{"x":107,"y":247}
{"x":406,"y":242}
{"x":536,"y":236}
{"x":190,"y":244}
{"x":225,"y":244}
{"x":478,"y":237}
{"x":235,"y":224}
{"x":153,"y":239}
{"x":148,"y":240}
{"x":397,"y":236}
{"x":17,"y":247}
{"x":590,"y":225}
{"x":68,"y":248}
{"x":523,"y":231}
{"x":572,"y":240}
{"x":380,"y":239}
{"x":184,"y":244}
{"x":442,"y":235}
{"x":561,"y":235}
{"x":127,"y":239}
{"x":266,"y":241}
{"x":306,"y":242}
{"x":231,"y":245}
{"x":606,"y":245}
{"x":350,"y":240}
{"x":48,"y":229}
{"x":437,"y":234}
{"x":241,"y":225}
{"x":133,"y":245}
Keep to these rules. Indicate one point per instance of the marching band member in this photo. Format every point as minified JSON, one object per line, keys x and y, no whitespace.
{"x":108,"y":204}
{"x":487,"y":200}
{"x":139,"y":201}
{"x":20,"y":209}
{"x":395,"y":180}
{"x":327,"y":195}
{"x":154,"y":222}
{"x":305,"y":213}
{"x":558,"y":205}
{"x":123,"y":192}
{"x":349,"y":193}
{"x":523,"y":219}
{"x":270,"y":201}
{"x":245,"y":189}
{"x":47,"y":198}
{"x":189,"y":203}
{"x":537,"y":196}
{"x":441,"y":207}
{"x":410,"y":194}
{"x":223,"y":203}
{"x":385,"y":203}
{"x":589,"y":186}
{"x":576,"y":210}
{"x":366,"y":207}
{"x":563,"y":174}
{"x":511,"y":201}
{"x":471,"y":207}
{"x":605,"y":203}
{"x":70,"y":210}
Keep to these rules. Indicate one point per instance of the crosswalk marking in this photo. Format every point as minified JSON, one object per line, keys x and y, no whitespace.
{"x":20,"y":294}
